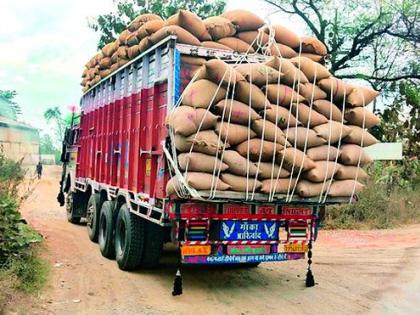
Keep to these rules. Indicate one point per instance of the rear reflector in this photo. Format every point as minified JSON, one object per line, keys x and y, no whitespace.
{"x":196,"y":250}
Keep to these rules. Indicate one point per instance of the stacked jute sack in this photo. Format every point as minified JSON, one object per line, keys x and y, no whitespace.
{"x":237,"y":30}
{"x":285,"y":126}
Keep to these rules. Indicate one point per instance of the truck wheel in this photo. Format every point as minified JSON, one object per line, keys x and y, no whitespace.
{"x":153,"y":244}
{"x":92,"y":216}
{"x":129,"y":239}
{"x":106,"y":230}
{"x":71,"y":205}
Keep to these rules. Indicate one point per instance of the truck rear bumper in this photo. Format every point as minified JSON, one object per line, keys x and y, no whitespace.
{"x":241,"y":259}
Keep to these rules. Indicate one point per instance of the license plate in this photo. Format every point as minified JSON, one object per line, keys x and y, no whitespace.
{"x":295,"y":248}
{"x":248,"y":230}
{"x":196,"y":250}
{"x":248,"y":249}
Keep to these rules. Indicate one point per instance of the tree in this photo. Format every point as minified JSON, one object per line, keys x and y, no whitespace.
{"x":53,"y":114}
{"x":368,"y":40}
{"x":9,"y":96}
{"x":113,"y":23}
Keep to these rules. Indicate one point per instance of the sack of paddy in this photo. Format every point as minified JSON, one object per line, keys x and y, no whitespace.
{"x":186,"y":120}
{"x":215,"y":45}
{"x":314,"y":57}
{"x":360,"y":137}
{"x":281,"y":116}
{"x":310,"y":91}
{"x":294,"y":159}
{"x":133,"y":52}
{"x":278,"y":186}
{"x":328,"y":109}
{"x":206,"y":141}
{"x":202,"y":93}
{"x":361,"y":117}
{"x":219,"y":27}
{"x":290,"y":74}
{"x":332,"y":131}
{"x":234,"y":133}
{"x":302,"y":137}
{"x":122,"y":52}
{"x":256,"y":39}
{"x":323,"y":153}
{"x":266,"y":130}
{"x":244,"y":20}
{"x":191,"y":22}
{"x":283,"y":35}
{"x":280,"y":50}
{"x":239,"y":112}
{"x":199,"y":162}
{"x":307,"y":189}
{"x":251,"y":95}
{"x":335,"y":87}
{"x":270,"y":170}
{"x":258,"y":73}
{"x":351,"y":153}
{"x":105,"y":63}
{"x":351,"y":172}
{"x":198,"y":181}
{"x":141,"y":20}
{"x":345,"y":188}
{"x":145,"y":44}
{"x":239,"y":165}
{"x":313,"y":45}
{"x":312,"y":70}
{"x":149,"y":28}
{"x":183,"y":36}
{"x":308,"y":116}
{"x":109,"y":49}
{"x":104,"y":73}
{"x":282,"y":95}
{"x":123,"y":37}
{"x":193,"y":61}
{"x":132,"y":40}
{"x":236,"y":44}
{"x":361,"y":96}
{"x":256,"y":147}
{"x":322,"y":171}
{"x":240,"y":183}
{"x":122,"y":62}
{"x":217,"y":70}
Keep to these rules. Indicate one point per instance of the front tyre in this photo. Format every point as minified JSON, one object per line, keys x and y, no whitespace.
{"x":72,"y":204}
{"x":106,"y":230}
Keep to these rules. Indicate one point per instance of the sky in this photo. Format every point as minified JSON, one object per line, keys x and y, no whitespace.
{"x":45,"y":43}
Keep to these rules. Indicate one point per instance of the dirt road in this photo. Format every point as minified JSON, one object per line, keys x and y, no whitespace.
{"x":356,"y":272}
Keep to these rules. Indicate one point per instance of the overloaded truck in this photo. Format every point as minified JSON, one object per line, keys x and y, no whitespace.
{"x":126,"y":167}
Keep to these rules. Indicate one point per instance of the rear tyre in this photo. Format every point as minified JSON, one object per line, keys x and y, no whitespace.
{"x":92,"y":216}
{"x":72,"y":203}
{"x":153,"y":244}
{"x":129,"y":239}
{"x":106,"y":230}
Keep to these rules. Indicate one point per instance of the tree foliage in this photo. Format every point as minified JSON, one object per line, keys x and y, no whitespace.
{"x":113,"y":23}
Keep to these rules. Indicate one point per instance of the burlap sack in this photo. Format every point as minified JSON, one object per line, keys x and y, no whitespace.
{"x":104,"y":73}
{"x":105,"y":63}
{"x":345,"y":188}
{"x":244,"y":20}
{"x":240,"y":183}
{"x":270,"y":170}
{"x":203,"y":141}
{"x":284,"y":36}
{"x":361,"y":117}
{"x":217,"y":70}
{"x":313,"y":45}
{"x":251,"y":95}
{"x":219,"y":27}
{"x":234,"y":133}
{"x":294,"y":159}
{"x":133,"y":52}
{"x":283,"y":95}
{"x":281,"y":116}
{"x":202,"y":93}
{"x":186,"y":120}
{"x":328,"y":109}
{"x":323,"y":153}
{"x":123,"y":37}
{"x":280,"y":186}
{"x":305,"y":114}
{"x":199,"y":162}
{"x":350,"y":172}
{"x":310,"y":92}
{"x":349,"y":155}
{"x":109,"y":49}
{"x":254,"y":38}
{"x":332,"y":131}
{"x":141,"y":20}
{"x":280,"y":50}
{"x":271,"y":131}
{"x":256,"y":147}
{"x":240,"y":113}
{"x":361,"y":96}
{"x":301,"y":136}
{"x":323,"y":170}
{"x":132,"y":40}
{"x":239,"y":165}
{"x":236,"y":44}
{"x":114,"y":57}
{"x":335,"y":87}
{"x":114,"y":66}
{"x":198,"y":181}
{"x":191,"y":60}
{"x":149,"y":28}
{"x":313,"y":57}
{"x":312,"y":69}
{"x":122,"y":52}
{"x":191,"y":22}
{"x":183,"y":36}
{"x":214,"y":45}
{"x":145,"y":44}
{"x":360,"y":136}
{"x":257,"y":73}
{"x":290,"y":73}
{"x":307,"y":189}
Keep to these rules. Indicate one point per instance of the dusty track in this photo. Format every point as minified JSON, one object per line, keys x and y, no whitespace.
{"x":357,"y":272}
